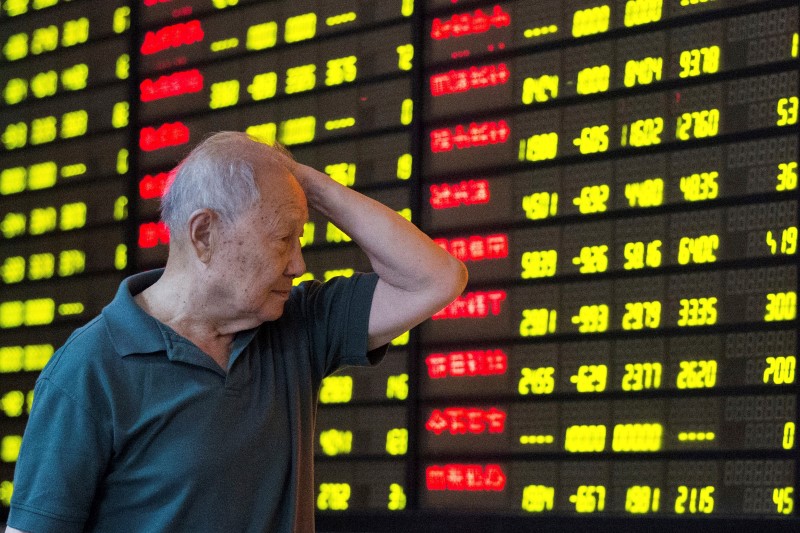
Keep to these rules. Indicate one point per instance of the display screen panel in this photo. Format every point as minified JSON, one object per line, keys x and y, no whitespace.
{"x":619,"y":177}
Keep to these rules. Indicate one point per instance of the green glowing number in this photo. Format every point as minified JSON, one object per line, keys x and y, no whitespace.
{"x":540,"y":205}
{"x":224,"y":94}
{"x":591,"y":21}
{"x":699,"y":61}
{"x":642,"y":499}
{"x":694,"y":500}
{"x":43,"y":130}
{"x":593,"y":80}
{"x":119,"y":115}
{"x":301,"y":78}
{"x":16,"y":47}
{"x":44,"y":40}
{"x":783,"y":498}
{"x":74,"y":124}
{"x":75,"y":32}
{"x":44,"y":84}
{"x":780,"y":370}
{"x":261,"y":36}
{"x":781,"y":306}
{"x":333,"y":496}
{"x":695,"y":374}
{"x":639,"y":12}
{"x":787,"y":179}
{"x":122,"y":19}
{"x":12,"y":9}
{"x":698,"y":250}
{"x":539,"y":264}
{"x":697,"y":312}
{"x":122,"y":68}
{"x":405,"y":55}
{"x":300,"y":28}
{"x":700,"y":186}
{"x":539,"y":89}
{"x":15,"y":91}
{"x":341,"y":70}
{"x":787,"y":111}
{"x":74,"y":78}
{"x":397,"y":498}
{"x":15,"y":135}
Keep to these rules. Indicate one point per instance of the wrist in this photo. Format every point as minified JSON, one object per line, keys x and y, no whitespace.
{"x":314,"y":184}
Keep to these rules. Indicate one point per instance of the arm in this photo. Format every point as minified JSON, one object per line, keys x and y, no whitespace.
{"x":417,"y":277}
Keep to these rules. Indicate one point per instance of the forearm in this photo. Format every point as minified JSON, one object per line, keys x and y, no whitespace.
{"x":402,"y":255}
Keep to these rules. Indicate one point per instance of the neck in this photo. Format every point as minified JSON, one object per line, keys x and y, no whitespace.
{"x":175,"y":301}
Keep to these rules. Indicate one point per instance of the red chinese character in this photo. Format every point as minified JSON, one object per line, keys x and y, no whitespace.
{"x":458,"y":81}
{"x":496,"y":362}
{"x":477,"y":248}
{"x":457,"y":417}
{"x":435,"y":478}
{"x":456,"y":364}
{"x":472,"y":360}
{"x":458,"y":249}
{"x":436,"y":365}
{"x":441,"y":140}
{"x":475,"y":421}
{"x":474,"y":477}
{"x":439,"y":84}
{"x":494,"y":478}
{"x":455,"y":477}
{"x":496,"y":420}
{"x":436,"y":422}
{"x":500,"y":18}
{"x":497,"y":246}
{"x":479,"y":191}
{"x":461,"y":138}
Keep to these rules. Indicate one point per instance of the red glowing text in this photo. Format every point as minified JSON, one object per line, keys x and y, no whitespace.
{"x":448,"y":195}
{"x":479,"y":304}
{"x":459,"y":81}
{"x":169,"y":134}
{"x":468,"y":363}
{"x":152,"y":234}
{"x":188,"y":81}
{"x":462,"y":24}
{"x":153,"y":186}
{"x":476,"y":134}
{"x":462,"y":420}
{"x":149,"y":3}
{"x":173,"y":36}
{"x":465,"y":477}
{"x":476,"y":247}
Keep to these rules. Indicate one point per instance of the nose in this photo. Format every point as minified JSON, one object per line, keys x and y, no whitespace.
{"x":296,"y":266}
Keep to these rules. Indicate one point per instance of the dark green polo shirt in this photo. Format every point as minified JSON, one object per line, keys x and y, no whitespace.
{"x":135,"y":429}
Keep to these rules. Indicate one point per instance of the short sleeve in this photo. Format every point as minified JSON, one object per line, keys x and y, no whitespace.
{"x":63,"y":456}
{"x":337,"y":314}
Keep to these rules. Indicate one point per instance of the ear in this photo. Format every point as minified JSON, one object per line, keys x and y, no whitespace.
{"x":203,"y":226}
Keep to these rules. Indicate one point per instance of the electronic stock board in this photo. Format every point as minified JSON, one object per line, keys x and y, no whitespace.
{"x":619,"y":176}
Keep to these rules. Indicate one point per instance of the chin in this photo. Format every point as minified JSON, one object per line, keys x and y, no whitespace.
{"x":273,"y":313}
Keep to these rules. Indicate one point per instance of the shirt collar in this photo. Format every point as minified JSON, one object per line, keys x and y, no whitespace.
{"x":132,"y":330}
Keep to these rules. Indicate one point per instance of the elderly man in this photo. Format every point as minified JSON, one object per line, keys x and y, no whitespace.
{"x":188,"y":404}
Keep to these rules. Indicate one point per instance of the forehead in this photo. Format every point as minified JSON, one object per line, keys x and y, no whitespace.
{"x":282,"y":200}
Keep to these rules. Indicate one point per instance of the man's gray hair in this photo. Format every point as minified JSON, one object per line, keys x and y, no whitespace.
{"x":218,"y":174}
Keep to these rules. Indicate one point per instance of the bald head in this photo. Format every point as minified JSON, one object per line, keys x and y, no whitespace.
{"x":222,"y":174}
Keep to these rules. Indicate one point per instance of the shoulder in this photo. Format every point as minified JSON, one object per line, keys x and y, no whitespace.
{"x":336,"y":292}
{"x":85,"y":356}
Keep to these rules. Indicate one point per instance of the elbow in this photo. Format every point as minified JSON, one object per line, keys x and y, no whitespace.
{"x":458,"y":276}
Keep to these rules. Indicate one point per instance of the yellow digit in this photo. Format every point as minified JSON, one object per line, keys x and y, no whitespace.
{"x":787,"y":111}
